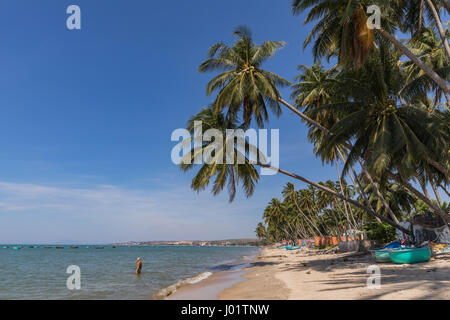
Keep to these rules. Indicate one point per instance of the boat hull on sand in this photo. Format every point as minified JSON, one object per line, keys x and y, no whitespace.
{"x":411,"y":255}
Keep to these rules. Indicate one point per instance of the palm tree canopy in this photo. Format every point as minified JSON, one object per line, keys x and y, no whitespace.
{"x":224,"y":173}
{"x":387,"y":133}
{"x":244,"y":85}
{"x":342,"y":28}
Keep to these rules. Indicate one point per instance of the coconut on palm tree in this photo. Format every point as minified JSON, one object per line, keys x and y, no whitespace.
{"x":342,"y":31}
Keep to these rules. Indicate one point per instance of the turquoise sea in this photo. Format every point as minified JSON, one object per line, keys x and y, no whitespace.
{"x":109,"y":273}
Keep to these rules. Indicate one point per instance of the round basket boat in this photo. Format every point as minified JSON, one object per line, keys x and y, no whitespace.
{"x":411,"y":255}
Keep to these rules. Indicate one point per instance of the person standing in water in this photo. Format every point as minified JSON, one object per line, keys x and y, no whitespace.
{"x":139,"y":266}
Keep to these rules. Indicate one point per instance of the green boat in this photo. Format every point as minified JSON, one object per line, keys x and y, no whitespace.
{"x":293,"y":248}
{"x":410,"y":255}
{"x":381,"y":255}
{"x":17,"y":248}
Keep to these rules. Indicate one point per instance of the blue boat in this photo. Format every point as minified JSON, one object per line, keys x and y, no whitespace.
{"x":383,"y":254}
{"x":393,"y":245}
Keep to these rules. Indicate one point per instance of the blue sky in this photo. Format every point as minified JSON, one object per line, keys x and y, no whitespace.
{"x":86,"y":118}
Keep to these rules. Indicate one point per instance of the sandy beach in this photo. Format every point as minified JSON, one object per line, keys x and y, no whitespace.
{"x":306,"y":275}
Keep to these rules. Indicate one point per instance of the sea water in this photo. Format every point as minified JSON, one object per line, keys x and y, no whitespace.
{"x":109,"y":273}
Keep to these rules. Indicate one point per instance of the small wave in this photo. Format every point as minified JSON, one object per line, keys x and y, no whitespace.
{"x":165,"y":292}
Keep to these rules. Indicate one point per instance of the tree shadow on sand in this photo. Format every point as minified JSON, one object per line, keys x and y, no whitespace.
{"x":430,"y":277}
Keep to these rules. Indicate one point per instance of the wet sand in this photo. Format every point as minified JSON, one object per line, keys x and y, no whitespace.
{"x":305,"y":275}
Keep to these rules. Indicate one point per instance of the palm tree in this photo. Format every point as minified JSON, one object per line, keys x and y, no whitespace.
{"x":290,"y":194}
{"x":413,"y":17}
{"x":399,"y":199}
{"x":314,"y":87}
{"x":217,"y":166}
{"x":387,"y":134}
{"x":261,"y":231}
{"x":244,"y":86}
{"x":342,"y":30}
{"x":428,"y":48}
{"x":275,"y":217}
{"x":238,"y":63}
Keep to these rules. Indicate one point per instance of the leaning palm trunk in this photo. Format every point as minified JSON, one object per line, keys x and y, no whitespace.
{"x":303,"y":116}
{"x":445,"y":216}
{"x":445,"y":190}
{"x":346,"y":208}
{"x":378,"y":193}
{"x":429,"y":71}
{"x":311,"y":222}
{"x":439,"y":26}
{"x":436,"y":193}
{"x":336,"y":194}
{"x":356,"y":182}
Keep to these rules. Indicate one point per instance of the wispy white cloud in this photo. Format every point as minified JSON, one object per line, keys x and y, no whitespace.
{"x":112,"y":213}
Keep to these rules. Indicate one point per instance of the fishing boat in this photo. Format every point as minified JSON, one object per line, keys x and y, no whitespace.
{"x":5,"y":247}
{"x":383,"y":254}
{"x":47,"y":247}
{"x":74,"y":247}
{"x":17,"y":248}
{"x":410,"y":255}
{"x":59,"y":247}
{"x":293,"y":248}
{"x":99,"y":247}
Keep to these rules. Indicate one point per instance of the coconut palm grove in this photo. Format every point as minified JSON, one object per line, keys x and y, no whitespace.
{"x":376,"y":103}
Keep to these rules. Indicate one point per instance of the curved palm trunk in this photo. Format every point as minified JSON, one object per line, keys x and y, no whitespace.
{"x":419,"y":28}
{"x":346,"y":208}
{"x":424,"y":188}
{"x":377,"y":191}
{"x":445,"y":190}
{"x":416,"y":192}
{"x":437,"y":166}
{"x":303,"y":116}
{"x":366,"y":200}
{"x":436,"y":193}
{"x":311,"y":222}
{"x":439,"y":25}
{"x":361,"y":190}
{"x":336,"y":194}
{"x":429,"y":71}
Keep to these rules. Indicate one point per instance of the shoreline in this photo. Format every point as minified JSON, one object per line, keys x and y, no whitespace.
{"x":277,"y":274}
{"x":209,"y":287}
